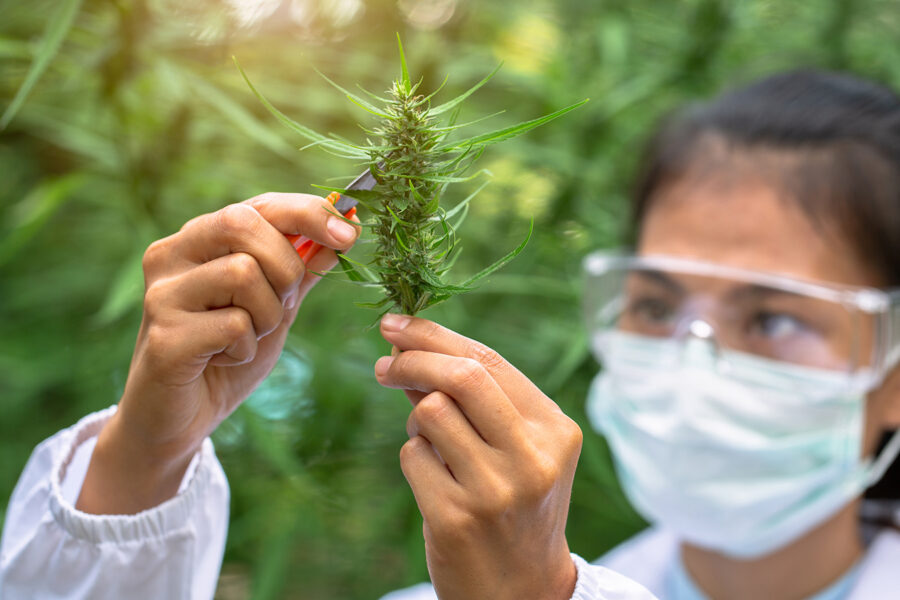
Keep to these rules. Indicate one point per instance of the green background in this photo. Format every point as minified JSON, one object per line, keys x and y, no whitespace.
{"x":140,"y":121}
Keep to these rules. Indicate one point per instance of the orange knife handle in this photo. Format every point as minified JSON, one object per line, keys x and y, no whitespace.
{"x":305,"y":247}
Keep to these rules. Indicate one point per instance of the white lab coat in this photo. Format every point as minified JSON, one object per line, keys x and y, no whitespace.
{"x":648,"y":558}
{"x":49,"y":550}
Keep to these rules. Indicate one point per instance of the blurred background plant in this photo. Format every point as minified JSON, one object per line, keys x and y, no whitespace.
{"x":123,"y":119}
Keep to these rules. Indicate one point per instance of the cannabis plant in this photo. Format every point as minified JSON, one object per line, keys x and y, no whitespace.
{"x":414,"y":157}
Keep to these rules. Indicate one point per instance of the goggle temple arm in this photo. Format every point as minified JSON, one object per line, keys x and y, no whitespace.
{"x":892,"y":333}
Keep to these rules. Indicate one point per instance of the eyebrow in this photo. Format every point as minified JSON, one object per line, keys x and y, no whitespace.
{"x":756,"y":291}
{"x":660,"y":278}
{"x":750,"y":291}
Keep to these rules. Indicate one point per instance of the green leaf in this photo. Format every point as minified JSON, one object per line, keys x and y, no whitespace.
{"x":397,"y":219}
{"x":368,"y":107}
{"x":432,"y":94}
{"x":461,"y":125}
{"x":360,"y":269}
{"x":241,"y":117}
{"x":57,"y":29}
{"x":450,"y":105}
{"x":125,"y":292}
{"x":500,"y":263}
{"x":34,"y":210}
{"x":290,"y":123}
{"x":373,"y":95}
{"x":404,"y":71}
{"x":464,"y":203}
{"x":349,"y":269}
{"x":443,"y":178}
{"x":376,"y":305}
{"x":510,"y":132}
{"x":368,"y":198}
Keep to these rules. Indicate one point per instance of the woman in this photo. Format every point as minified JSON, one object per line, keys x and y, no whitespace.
{"x":732,"y":392}
{"x":749,"y":353}
{"x":747,"y":412}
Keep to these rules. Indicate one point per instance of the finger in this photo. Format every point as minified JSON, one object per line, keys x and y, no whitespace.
{"x":308,"y":215}
{"x":222,"y":337}
{"x":463,"y":379}
{"x":322,"y":262}
{"x":438,"y":419}
{"x":411,"y":333}
{"x":232,"y":280}
{"x":432,"y":484}
{"x":414,"y":396}
{"x":234,"y":229}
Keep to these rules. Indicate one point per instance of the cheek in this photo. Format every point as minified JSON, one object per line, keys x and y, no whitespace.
{"x":882,"y":412}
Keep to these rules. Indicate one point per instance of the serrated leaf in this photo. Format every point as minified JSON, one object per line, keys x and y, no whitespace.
{"x":451,"y":104}
{"x":510,"y":132}
{"x":500,"y":263}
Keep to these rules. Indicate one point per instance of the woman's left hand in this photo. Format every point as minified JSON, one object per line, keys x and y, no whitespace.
{"x":490,"y":460}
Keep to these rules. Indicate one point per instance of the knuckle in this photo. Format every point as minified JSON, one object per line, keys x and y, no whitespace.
{"x":410,"y":450}
{"x":454,"y":526}
{"x":156,"y":296}
{"x":573,"y":435}
{"x":545,"y":474}
{"x":237,"y":324}
{"x":154,"y":255}
{"x":428,"y":330}
{"x":243,"y":270}
{"x":158,"y":344}
{"x":433,"y":408}
{"x":486,"y":356}
{"x":236,"y":218}
{"x":468,"y":373}
{"x":502,"y":497}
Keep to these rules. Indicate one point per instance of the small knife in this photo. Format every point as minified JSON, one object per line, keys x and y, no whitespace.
{"x":345,"y":205}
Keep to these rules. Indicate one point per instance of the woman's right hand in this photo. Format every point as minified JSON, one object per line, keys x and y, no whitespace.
{"x":220,"y":296}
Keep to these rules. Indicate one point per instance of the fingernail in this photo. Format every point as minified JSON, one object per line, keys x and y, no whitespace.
{"x":382,"y":365}
{"x":395,"y":322}
{"x":290,"y":301}
{"x":342,"y":232}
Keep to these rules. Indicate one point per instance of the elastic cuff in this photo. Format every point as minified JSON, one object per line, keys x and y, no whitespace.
{"x":157,"y":522}
{"x":582,"y":591}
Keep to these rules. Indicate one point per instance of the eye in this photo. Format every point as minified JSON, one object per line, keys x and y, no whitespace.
{"x":777,"y":326}
{"x":652,"y":310}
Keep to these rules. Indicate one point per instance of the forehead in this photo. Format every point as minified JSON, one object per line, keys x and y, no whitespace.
{"x":740,"y":220}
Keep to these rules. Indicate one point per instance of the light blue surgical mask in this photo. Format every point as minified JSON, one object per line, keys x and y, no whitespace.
{"x":742,"y":466}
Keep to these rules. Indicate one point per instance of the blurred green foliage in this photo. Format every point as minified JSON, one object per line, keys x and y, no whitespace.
{"x":135,"y":120}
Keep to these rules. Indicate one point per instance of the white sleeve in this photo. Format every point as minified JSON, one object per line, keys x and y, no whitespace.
{"x":50,"y":550}
{"x":599,"y":583}
{"x":594,"y":583}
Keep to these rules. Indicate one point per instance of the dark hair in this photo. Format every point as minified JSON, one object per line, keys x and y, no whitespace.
{"x":843,"y":136}
{"x":842,"y":132}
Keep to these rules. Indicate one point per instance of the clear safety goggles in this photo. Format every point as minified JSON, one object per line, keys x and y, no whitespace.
{"x":839,"y":329}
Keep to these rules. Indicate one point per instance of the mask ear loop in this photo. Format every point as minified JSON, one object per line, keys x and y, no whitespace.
{"x":892,"y":356}
{"x":883,"y":461}
{"x":888,"y":454}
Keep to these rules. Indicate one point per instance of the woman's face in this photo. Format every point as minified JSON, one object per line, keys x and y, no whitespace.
{"x":739,"y":220}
